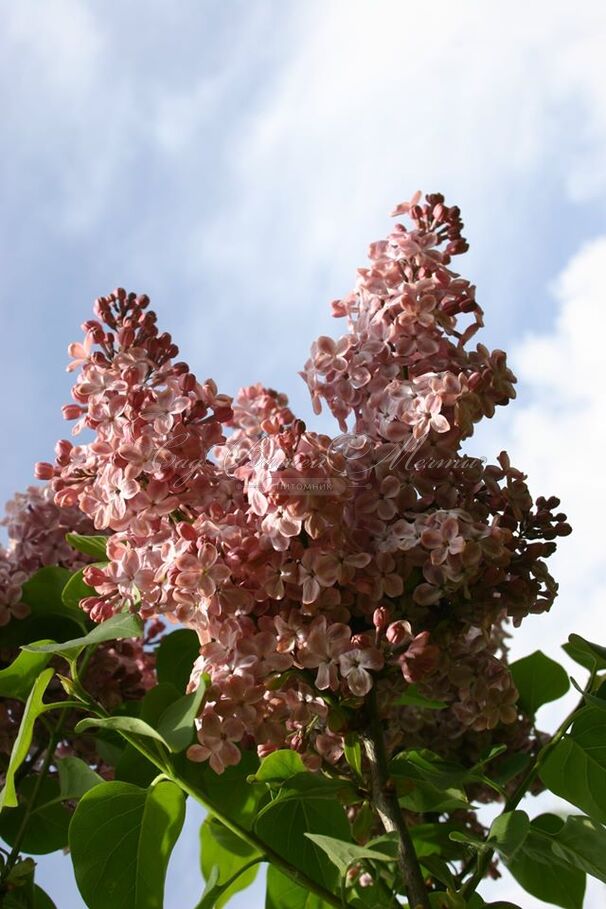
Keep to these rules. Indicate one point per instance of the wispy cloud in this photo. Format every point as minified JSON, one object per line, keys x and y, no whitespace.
{"x":235,"y":159}
{"x":556,"y":431}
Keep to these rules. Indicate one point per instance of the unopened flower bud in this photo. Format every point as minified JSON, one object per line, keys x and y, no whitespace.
{"x":399,"y":633}
{"x":44,"y":471}
{"x":71,"y":411}
{"x":381,"y":617}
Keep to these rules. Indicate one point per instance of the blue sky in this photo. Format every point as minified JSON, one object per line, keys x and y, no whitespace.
{"x":233,"y":160}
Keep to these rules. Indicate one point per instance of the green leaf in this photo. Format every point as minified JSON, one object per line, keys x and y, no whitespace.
{"x":353,"y":754}
{"x":132,"y":766}
{"x":223,"y":850}
{"x":17,"y":680}
{"x":284,"y":893}
{"x":426,"y":767}
{"x":176,"y":725}
{"x":20,"y":887}
{"x":76,"y":589}
{"x":493,"y":752}
{"x":41,"y":899}
{"x":470,"y":839}
{"x":44,"y":594}
{"x":131,"y":725}
{"x":511,"y":766}
{"x":502,"y":905}
{"x":34,"y":706}
{"x":122,"y":625}
{"x":212,"y":891}
{"x":536,"y":868}
{"x":508,"y":833}
{"x":316,"y":786}
{"x":229,"y":794}
{"x":593,"y":700}
{"x":75,"y":777}
{"x":575,"y":769}
{"x":48,"y":825}
{"x":175,"y":657}
{"x":438,"y":869}
{"x":412,"y":697}
{"x":121,"y":838}
{"x":581,"y":842}
{"x":591,"y":656}
{"x":283,"y":823}
{"x":279,"y":766}
{"x":539,"y":680}
{"x":422,"y":764}
{"x":434,"y":839}
{"x":47,"y":830}
{"x":49,"y":617}
{"x":343,"y":854}
{"x":95,"y":546}
{"x":421,"y":796}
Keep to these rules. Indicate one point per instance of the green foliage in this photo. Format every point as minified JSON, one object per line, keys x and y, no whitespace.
{"x":345,"y":854}
{"x":435,"y":839}
{"x":421,"y":797}
{"x":75,"y":590}
{"x":19,"y":891}
{"x":285,"y":769}
{"x":17,"y":680}
{"x":41,"y":899}
{"x":75,"y":777}
{"x":508,"y":833}
{"x":43,"y":592}
{"x":539,"y":680}
{"x":422,"y":764}
{"x":283,"y":823}
{"x":232,"y":857}
{"x":49,"y":617}
{"x":122,"y":625}
{"x":49,"y":818}
{"x":412,"y":697}
{"x":581,"y":842}
{"x":121,"y":838}
{"x":534,"y":866}
{"x":131,"y":725}
{"x":121,"y":834}
{"x":175,"y":657}
{"x":47,"y":831}
{"x":34,"y":706}
{"x":95,"y":546}
{"x":283,"y":893}
{"x":230,"y":795}
{"x":132,"y":766}
{"x":576,"y":768}
{"x":176,"y":724}
{"x":353,"y":754}
{"x":280,"y":766}
{"x":591,"y":656}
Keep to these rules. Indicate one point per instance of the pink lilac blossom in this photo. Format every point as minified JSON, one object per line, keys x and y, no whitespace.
{"x":118,"y":670}
{"x":36,"y":529}
{"x":314,"y":567}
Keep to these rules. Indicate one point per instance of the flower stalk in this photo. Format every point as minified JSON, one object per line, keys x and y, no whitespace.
{"x":386,"y":803}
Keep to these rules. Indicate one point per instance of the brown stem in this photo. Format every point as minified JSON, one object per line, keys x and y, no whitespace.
{"x":386,"y":803}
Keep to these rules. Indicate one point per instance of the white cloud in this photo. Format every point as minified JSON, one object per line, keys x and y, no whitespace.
{"x":377,"y":98}
{"x":556,"y":432}
{"x":303,"y":125}
{"x":503,"y":111}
